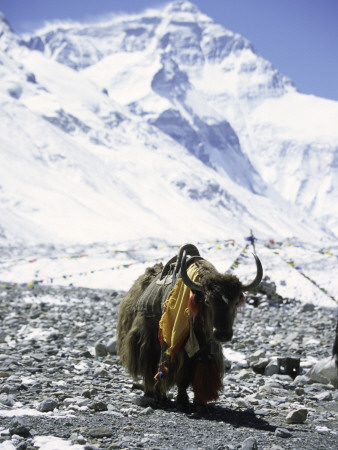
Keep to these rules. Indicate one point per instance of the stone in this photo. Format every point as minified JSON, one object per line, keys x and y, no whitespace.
{"x":283,"y":432}
{"x":7,"y":400}
{"x":249,"y":443}
{"x":4,"y":374}
{"x":23,"y":445}
{"x":325,"y":396}
{"x":324,"y":371}
{"x":47,"y":405}
{"x":307,"y":307}
{"x":147,"y":411}
{"x":260,"y":365}
{"x":244,"y":375}
{"x":272,"y":368}
{"x":100,"y":432}
{"x":255,"y":356}
{"x":19,"y":426}
{"x":297,"y":416}
{"x":99,"y":406}
{"x":301,"y":380}
{"x":100,"y":349}
{"x":112,"y":346}
{"x":101,"y":372}
{"x":299,"y":391}
{"x":144,"y":401}
{"x":86,"y":354}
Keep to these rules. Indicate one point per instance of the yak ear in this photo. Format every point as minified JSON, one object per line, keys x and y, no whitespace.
{"x":194,"y":306}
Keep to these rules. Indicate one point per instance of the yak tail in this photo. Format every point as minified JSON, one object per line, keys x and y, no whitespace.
{"x":206,"y":382}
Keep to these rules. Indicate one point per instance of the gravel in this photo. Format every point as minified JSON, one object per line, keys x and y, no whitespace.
{"x":60,"y":376}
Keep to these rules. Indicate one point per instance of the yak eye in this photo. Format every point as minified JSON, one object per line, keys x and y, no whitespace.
{"x":225,"y":299}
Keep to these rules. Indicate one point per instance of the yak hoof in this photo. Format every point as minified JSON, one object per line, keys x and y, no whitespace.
{"x":184,"y":407}
{"x":200,"y":408}
{"x":182,"y":402}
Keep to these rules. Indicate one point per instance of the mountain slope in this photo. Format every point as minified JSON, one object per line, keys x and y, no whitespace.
{"x":162,"y":124}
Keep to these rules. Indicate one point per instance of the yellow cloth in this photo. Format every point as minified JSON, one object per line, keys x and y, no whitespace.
{"x":174,"y":322}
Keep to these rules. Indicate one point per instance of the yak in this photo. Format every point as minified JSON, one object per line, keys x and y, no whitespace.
{"x":208,"y":317}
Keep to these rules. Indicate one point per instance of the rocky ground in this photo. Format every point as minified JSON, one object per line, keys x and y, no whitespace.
{"x":60,"y":376}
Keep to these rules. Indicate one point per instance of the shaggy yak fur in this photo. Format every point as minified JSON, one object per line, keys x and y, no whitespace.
{"x":212,"y":311}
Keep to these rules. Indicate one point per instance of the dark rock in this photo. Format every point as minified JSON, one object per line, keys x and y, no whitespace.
{"x":47,"y":405}
{"x":100,"y":432}
{"x":99,"y":406}
{"x":260,"y":365}
{"x":19,"y":426}
{"x":100,"y":349}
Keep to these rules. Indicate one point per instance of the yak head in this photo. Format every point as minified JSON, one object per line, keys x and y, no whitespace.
{"x":220,"y":295}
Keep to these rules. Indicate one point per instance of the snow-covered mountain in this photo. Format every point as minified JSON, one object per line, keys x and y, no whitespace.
{"x":161,"y":125}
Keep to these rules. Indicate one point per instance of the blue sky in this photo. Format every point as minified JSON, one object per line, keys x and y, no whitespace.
{"x":300,"y":37}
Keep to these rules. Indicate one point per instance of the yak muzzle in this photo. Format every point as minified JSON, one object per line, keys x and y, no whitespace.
{"x":222,"y":336}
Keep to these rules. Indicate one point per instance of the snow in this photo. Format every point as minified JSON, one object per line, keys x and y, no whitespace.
{"x":45,"y":443}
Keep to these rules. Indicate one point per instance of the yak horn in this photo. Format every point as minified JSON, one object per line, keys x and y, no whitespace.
{"x":186,"y":280}
{"x":259,"y":276}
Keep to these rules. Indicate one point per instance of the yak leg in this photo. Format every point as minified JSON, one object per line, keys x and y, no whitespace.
{"x":182,"y":399}
{"x":141,"y":351}
{"x":183,"y":381}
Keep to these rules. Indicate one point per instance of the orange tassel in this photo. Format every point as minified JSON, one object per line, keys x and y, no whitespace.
{"x":160,"y":336}
{"x":194,"y":306}
{"x":206,"y":382}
